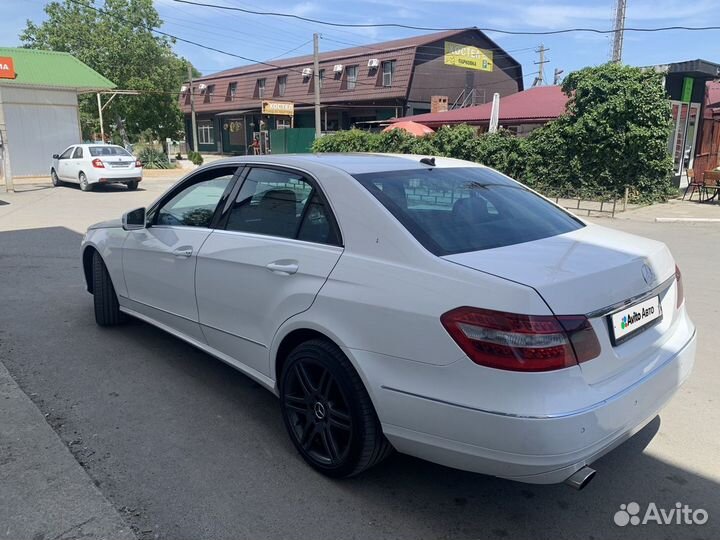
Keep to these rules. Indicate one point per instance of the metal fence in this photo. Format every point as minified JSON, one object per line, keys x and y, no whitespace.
{"x":610,"y":204}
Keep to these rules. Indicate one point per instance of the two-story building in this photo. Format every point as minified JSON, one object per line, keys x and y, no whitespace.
{"x":357,"y":85}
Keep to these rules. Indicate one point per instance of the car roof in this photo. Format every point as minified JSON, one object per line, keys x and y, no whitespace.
{"x":353,"y":163}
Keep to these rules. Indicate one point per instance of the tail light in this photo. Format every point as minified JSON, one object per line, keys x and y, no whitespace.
{"x":138,"y":163}
{"x":98,"y":164}
{"x":517,"y":342}
{"x":680,"y":290}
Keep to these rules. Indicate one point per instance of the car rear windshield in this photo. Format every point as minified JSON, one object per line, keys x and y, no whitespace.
{"x":99,"y":151}
{"x":454,"y":210}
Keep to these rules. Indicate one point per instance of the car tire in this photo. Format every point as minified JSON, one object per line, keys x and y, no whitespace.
{"x":84,"y":184}
{"x":55,"y":179}
{"x":132,"y":186}
{"x":328,"y":413}
{"x":107,"y":309}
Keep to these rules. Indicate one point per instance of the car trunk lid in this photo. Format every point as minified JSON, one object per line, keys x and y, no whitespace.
{"x":118,"y":162}
{"x":582,"y":273}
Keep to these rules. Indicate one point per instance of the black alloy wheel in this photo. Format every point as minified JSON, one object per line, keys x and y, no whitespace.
{"x":328,"y":412}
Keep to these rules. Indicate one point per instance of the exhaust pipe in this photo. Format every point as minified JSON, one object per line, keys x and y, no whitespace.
{"x":580,"y":478}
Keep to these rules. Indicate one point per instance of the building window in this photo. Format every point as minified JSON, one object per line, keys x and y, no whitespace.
{"x":281,"y":85}
{"x":388,"y":69}
{"x":260,"y":88}
{"x":282,"y":123}
{"x":232,"y":91}
{"x":206,"y":132}
{"x":321,"y":78}
{"x":209,"y":93}
{"x":351,"y":72}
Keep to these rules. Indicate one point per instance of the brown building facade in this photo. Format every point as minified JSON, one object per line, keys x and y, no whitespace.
{"x":358,"y":85}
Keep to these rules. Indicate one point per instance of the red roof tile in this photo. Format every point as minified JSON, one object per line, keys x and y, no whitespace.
{"x":535,"y":105}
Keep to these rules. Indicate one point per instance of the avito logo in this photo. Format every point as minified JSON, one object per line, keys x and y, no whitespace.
{"x":636,"y":316}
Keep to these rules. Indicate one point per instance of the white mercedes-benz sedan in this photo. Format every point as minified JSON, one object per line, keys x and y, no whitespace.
{"x":433,"y":306}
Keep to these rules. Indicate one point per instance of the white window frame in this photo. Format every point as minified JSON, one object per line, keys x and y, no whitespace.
{"x":282,"y":84}
{"x":351,"y":81}
{"x":261,"y":88}
{"x":387,"y":74}
{"x":206,"y":132}
{"x":282,"y":123}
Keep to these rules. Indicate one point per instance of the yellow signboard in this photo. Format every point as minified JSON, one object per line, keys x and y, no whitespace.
{"x":286,"y":108}
{"x":468,"y":57}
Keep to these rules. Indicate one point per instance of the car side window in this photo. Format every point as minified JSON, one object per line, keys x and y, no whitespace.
{"x":195,"y":205}
{"x":281,"y":203}
{"x":78,"y":153}
{"x":67,"y":153}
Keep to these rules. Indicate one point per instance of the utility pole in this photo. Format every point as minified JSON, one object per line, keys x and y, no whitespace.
{"x":619,"y":30}
{"x":192,"y":110}
{"x":540,"y":79}
{"x":557,"y":76}
{"x":316,"y":82}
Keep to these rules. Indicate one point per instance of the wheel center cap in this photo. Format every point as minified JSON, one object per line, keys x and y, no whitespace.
{"x":319,"y":410}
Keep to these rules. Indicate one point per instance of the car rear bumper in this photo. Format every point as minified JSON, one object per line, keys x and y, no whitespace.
{"x":118,"y":176}
{"x":539,"y":449}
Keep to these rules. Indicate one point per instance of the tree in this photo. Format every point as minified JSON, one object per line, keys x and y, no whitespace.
{"x":115,"y":39}
{"x":616,"y":131}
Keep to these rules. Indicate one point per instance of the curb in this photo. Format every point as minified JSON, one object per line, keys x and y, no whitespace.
{"x":686,"y":220}
{"x":44,"y":492}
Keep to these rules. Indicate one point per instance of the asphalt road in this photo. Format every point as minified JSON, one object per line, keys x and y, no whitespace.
{"x":187,"y":448}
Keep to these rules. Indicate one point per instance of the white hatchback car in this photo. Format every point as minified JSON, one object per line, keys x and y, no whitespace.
{"x":433,"y":306}
{"x":91,"y":164}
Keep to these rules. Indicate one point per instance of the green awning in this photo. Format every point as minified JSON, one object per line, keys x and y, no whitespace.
{"x":53,"y":70}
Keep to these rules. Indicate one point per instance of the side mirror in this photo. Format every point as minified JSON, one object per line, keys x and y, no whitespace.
{"x":134,"y":219}
{"x":56,"y":156}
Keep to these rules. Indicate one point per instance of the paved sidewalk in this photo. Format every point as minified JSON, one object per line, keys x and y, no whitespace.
{"x":674,"y":210}
{"x":44,"y":493}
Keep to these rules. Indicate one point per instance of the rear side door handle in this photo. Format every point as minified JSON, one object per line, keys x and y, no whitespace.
{"x":283,"y":267}
{"x":183,"y":252}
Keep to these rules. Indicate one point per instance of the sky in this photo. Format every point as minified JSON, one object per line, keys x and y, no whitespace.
{"x":266,"y":38}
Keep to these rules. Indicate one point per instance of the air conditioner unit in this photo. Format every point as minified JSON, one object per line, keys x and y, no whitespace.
{"x":337,"y":68}
{"x":183,"y":88}
{"x":307,"y":72}
{"x":373,"y":63}
{"x":202,"y":87}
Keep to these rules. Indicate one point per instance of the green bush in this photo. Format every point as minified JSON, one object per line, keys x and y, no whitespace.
{"x":195,"y":157}
{"x":153,"y":159}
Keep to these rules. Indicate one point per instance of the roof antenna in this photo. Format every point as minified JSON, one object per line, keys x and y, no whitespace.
{"x":428,"y":161}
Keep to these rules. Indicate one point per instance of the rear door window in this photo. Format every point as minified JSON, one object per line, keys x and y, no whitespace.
{"x":455,"y":210}
{"x":282,"y":203}
{"x":78,"y":153}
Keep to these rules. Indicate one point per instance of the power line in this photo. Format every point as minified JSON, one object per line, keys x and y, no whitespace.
{"x":291,"y":50}
{"x":437,"y":29}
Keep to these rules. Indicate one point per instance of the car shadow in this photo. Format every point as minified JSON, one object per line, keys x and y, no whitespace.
{"x":198,"y":450}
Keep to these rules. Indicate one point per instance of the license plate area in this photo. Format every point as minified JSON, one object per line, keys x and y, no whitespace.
{"x":631,"y":320}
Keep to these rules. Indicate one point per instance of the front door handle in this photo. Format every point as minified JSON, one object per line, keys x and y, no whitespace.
{"x":284,"y":267}
{"x":183,"y":252}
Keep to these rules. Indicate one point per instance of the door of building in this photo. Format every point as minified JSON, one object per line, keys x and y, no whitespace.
{"x":684,"y":134}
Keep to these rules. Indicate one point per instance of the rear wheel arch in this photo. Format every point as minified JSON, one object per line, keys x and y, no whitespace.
{"x":290,"y":342}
